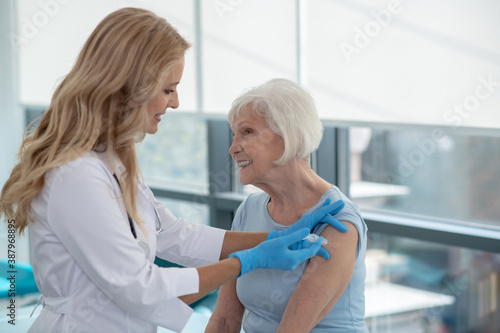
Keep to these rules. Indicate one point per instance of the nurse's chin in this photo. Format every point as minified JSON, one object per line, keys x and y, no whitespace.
{"x":152,"y":129}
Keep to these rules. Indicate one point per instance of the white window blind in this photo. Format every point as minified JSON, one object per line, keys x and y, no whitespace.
{"x":52,"y":32}
{"x":412,"y":62}
{"x":406,"y":62}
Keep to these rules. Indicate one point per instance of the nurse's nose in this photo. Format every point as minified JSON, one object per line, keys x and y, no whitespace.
{"x":174,"y":101}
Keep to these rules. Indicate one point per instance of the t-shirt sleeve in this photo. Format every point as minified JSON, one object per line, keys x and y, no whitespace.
{"x":349,"y":213}
{"x":238,"y":217}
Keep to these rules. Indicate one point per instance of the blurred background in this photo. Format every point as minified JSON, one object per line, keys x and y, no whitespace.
{"x":409,"y":95}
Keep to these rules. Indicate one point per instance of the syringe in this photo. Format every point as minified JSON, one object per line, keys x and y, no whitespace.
{"x":314,"y":238}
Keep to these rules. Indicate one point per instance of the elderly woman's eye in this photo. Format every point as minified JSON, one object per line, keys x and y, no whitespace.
{"x":247,"y":131}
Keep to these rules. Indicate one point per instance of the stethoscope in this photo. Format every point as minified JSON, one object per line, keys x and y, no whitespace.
{"x":142,"y":244}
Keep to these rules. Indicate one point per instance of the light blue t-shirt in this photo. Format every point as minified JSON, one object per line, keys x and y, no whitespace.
{"x":265,"y":292}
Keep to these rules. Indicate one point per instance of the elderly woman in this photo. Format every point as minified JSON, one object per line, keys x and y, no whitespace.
{"x":276,"y":128}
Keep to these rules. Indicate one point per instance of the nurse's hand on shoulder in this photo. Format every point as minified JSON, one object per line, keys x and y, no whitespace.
{"x":278,"y":253}
{"x":323,"y":214}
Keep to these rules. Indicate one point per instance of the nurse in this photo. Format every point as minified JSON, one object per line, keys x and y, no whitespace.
{"x":94,"y":227}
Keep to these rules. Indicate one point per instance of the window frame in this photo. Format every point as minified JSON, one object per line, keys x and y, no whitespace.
{"x":332,"y":164}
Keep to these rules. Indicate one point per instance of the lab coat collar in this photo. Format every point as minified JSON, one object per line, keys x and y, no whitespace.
{"x":112,"y":162}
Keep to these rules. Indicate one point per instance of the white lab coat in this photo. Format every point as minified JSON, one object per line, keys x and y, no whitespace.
{"x":92,"y":274}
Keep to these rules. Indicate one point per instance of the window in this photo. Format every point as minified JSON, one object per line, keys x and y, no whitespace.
{"x":416,"y":286}
{"x":193,"y":212}
{"x":441,"y":174}
{"x":176,"y":156}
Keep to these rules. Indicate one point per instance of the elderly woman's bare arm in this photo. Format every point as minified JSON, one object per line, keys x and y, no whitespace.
{"x":322,"y":283}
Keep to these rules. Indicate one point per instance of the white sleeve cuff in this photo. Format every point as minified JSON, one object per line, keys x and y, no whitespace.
{"x":182,"y":281}
{"x":173,"y":315}
{"x":190,"y":245}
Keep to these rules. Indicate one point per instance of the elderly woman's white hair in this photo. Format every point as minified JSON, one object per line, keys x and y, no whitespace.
{"x":289,"y":111}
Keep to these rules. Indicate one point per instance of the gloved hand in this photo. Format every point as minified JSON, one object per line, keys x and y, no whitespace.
{"x":277,"y":253}
{"x":304,"y":243}
{"x":310,"y":220}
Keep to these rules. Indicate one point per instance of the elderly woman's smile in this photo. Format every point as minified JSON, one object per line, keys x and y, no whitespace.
{"x":243,"y":164}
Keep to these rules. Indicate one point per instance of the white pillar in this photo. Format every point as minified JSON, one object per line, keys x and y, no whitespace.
{"x":11,"y":113}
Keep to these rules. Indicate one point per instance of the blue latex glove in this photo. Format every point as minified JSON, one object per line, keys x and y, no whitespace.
{"x":305,"y":244}
{"x":310,"y":220}
{"x":278,"y":253}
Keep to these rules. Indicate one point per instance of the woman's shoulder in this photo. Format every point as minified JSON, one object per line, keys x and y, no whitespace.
{"x":335,"y":194}
{"x":350,"y":212}
{"x":255,"y":199}
{"x":87,"y":165}
{"x":251,"y":203}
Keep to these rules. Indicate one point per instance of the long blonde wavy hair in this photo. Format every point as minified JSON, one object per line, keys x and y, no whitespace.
{"x":101,"y":105}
